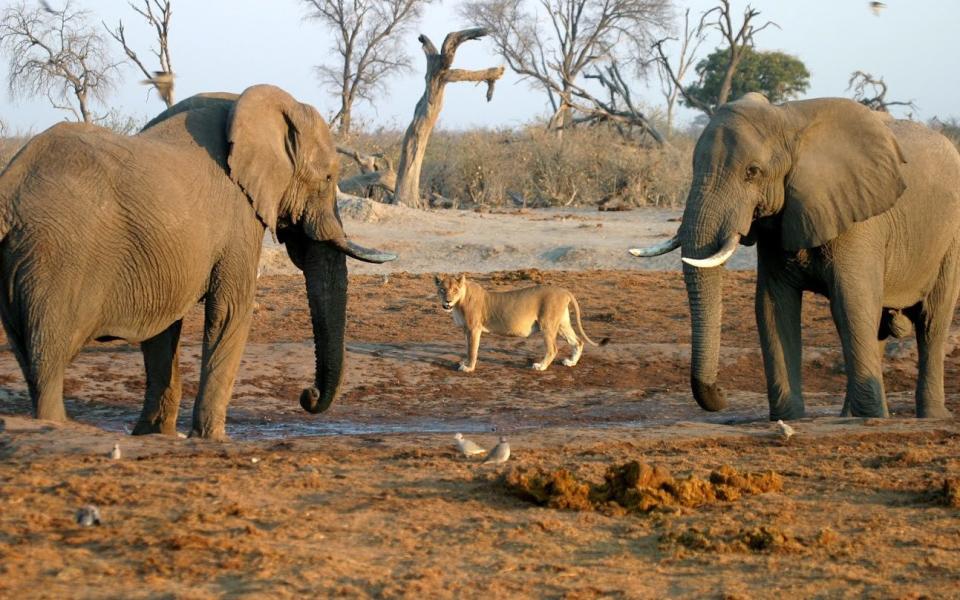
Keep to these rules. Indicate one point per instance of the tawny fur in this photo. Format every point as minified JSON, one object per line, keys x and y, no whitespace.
{"x":518,"y":313}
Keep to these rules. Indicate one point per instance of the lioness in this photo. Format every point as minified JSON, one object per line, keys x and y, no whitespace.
{"x":515,"y":312}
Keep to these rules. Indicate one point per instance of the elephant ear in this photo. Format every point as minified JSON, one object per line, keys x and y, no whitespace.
{"x":264,"y":130}
{"x":846,"y":169}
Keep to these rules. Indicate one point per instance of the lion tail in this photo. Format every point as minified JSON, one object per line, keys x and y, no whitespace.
{"x":583,"y":334}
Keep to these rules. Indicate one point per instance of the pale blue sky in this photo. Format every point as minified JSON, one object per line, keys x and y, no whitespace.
{"x":230,"y":44}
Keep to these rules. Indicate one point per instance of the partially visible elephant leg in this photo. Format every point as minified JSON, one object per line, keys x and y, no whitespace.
{"x":856,"y":309}
{"x":778,"y":306}
{"x":228,"y":313}
{"x":933,"y":328}
{"x":162,"y":399}
{"x":44,"y":377}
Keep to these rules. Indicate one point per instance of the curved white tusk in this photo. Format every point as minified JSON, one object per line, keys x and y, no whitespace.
{"x":662,"y":248}
{"x":729,"y":247}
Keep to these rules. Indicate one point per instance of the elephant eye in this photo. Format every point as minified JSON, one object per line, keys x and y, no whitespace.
{"x":753,"y":172}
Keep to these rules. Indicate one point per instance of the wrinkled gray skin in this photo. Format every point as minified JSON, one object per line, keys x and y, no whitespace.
{"x":843,"y":202}
{"x":108,"y":236}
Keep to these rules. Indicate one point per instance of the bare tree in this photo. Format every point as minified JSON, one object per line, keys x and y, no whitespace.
{"x":618,"y":108}
{"x":737,"y":40}
{"x":872,"y":92}
{"x":439,"y":74}
{"x":552,"y":43}
{"x":367,"y":34}
{"x":157,"y":13}
{"x":57,"y":53}
{"x":690,"y":43}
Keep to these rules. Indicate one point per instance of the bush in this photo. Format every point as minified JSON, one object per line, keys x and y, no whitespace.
{"x":494,"y":168}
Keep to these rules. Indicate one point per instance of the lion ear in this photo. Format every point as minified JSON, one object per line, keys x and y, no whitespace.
{"x":437,"y":279}
{"x":463,"y":279}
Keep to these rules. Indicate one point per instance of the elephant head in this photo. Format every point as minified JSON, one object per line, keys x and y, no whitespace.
{"x":798,"y":174}
{"x":281,"y":153}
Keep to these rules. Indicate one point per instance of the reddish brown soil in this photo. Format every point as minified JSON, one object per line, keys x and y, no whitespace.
{"x":863,"y":509}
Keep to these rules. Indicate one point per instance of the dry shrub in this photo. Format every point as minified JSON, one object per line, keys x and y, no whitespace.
{"x":633,"y":487}
{"x":497,"y":168}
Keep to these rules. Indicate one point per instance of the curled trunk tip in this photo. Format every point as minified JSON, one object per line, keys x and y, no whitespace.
{"x":708,"y":395}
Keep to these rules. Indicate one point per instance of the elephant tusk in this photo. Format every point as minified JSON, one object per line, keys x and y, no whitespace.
{"x":360,"y":253}
{"x":729,"y":247}
{"x":658,"y":249}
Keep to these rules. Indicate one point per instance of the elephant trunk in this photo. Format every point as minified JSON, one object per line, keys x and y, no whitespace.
{"x":325,"y":270}
{"x":703,"y":294}
{"x":710,"y":232}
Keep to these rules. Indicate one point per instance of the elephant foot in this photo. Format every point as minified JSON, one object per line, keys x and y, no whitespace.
{"x":708,"y":395}
{"x":216,"y":435}
{"x":933,"y":412}
{"x":149,"y":427}
{"x":790,"y":413}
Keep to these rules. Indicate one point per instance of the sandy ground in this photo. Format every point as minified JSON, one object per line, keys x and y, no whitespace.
{"x":370,"y":499}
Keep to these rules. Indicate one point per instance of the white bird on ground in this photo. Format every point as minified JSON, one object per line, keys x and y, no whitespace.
{"x":499,"y":454}
{"x":786,"y":432}
{"x":88,"y":515}
{"x":115,"y":453}
{"x":467,"y":447}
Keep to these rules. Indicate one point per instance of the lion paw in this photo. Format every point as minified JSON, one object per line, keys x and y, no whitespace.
{"x":539,"y":367}
{"x":463,"y":367}
{"x":569,"y":362}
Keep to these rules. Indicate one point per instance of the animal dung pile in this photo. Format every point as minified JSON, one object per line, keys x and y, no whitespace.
{"x":634,"y":487}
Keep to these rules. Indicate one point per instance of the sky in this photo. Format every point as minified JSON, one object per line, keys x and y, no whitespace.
{"x":227,"y":45}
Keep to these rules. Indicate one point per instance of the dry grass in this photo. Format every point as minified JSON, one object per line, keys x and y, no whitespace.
{"x":494,"y":168}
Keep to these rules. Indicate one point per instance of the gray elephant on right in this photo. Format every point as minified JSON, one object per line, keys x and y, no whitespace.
{"x":841,"y":201}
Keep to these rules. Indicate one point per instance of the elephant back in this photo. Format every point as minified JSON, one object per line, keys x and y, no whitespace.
{"x":211,"y":100}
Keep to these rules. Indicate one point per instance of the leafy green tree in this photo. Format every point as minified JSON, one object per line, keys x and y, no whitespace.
{"x":776,"y":75}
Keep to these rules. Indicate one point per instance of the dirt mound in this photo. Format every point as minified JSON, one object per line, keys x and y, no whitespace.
{"x":763,"y":538}
{"x":634,"y":487}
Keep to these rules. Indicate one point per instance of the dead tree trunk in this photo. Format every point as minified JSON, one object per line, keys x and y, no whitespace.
{"x":439,"y":74}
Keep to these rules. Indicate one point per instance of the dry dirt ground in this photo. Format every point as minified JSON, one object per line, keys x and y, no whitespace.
{"x":370,"y":499}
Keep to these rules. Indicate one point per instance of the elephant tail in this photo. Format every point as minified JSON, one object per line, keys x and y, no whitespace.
{"x":583,"y":334}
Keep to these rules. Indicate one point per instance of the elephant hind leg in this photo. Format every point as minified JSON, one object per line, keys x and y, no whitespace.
{"x":163,"y":390}
{"x":933,"y":328}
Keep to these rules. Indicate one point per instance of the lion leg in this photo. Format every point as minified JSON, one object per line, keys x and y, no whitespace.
{"x":550,"y":341}
{"x":473,"y":348}
{"x":566,"y":330}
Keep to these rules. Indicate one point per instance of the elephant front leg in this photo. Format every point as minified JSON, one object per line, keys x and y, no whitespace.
{"x":856,"y":313}
{"x":778,"y":320}
{"x":226,"y":325}
{"x":163,"y":391}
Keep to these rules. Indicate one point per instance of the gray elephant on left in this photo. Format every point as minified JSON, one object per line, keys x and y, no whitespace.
{"x":116,"y":237}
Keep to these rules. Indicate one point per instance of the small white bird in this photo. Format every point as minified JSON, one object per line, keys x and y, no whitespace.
{"x":467,"y":447}
{"x":786,"y":432}
{"x":88,"y":515}
{"x":499,"y":454}
{"x":115,"y":453}
{"x":876,"y":7}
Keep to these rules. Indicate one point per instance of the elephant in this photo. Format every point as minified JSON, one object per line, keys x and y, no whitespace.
{"x":107,"y":236}
{"x":840,"y":201}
